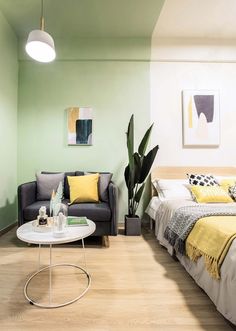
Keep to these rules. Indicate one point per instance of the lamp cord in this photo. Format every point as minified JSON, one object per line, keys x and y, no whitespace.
{"x":42,"y":22}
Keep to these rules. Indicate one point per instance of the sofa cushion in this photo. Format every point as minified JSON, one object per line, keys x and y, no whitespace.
{"x":31,"y":212}
{"x":46,"y":183}
{"x":66,"y":185}
{"x":83,"y":188}
{"x":103,"y":182}
{"x":93,"y":211}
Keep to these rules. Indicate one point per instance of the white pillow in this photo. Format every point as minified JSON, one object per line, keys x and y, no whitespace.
{"x":173,"y":188}
{"x":220,"y":178}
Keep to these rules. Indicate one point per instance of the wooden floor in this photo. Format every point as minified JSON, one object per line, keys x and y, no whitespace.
{"x":136,"y":285}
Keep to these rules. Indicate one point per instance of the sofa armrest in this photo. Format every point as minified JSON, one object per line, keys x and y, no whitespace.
{"x":113,"y":201}
{"x":26,"y":196}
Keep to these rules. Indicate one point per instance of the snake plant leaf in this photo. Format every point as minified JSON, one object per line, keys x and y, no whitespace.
{"x":139,"y":193}
{"x":147,"y":163}
{"x":137,"y":167}
{"x":126,"y":174}
{"x":144,"y":143}
{"x":128,"y":181}
{"x":130,"y":142}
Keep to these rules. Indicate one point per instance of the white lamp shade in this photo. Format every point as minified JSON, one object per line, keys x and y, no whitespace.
{"x":40,"y":46}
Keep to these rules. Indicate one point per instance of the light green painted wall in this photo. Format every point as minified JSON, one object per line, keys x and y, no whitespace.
{"x":101,"y":49}
{"x":114,"y":89}
{"x":8,"y":123}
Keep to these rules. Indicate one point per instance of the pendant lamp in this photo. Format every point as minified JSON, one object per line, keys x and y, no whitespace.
{"x":40,"y":45}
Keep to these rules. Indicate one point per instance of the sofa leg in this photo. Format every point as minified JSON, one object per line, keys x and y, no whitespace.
{"x":105,"y":241}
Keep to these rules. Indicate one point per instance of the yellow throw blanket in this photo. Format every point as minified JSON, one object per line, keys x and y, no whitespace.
{"x":211,"y":238}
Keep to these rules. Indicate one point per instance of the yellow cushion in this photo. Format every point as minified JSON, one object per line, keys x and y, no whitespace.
{"x":227,"y":182}
{"x":83,"y":188}
{"x":207,"y":194}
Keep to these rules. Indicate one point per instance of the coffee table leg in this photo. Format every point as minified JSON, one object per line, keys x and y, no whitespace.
{"x":85,"y":264}
{"x":50,"y":276}
{"x":50,"y":266}
{"x":39,"y":262}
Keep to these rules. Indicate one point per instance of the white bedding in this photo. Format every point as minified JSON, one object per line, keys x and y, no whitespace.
{"x":222,"y":292}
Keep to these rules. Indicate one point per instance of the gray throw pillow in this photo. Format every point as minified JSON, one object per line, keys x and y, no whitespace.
{"x":103,"y":182}
{"x":46,"y":183}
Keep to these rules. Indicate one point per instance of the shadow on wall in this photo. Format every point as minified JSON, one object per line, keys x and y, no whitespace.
{"x":8,"y":213}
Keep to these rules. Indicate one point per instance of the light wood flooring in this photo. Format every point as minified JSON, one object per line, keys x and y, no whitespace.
{"x":135,"y":285}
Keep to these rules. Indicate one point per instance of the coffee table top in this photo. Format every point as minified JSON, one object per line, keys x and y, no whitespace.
{"x":26,"y":233}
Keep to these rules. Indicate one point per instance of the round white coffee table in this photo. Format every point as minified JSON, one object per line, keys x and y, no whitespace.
{"x":27,"y":234}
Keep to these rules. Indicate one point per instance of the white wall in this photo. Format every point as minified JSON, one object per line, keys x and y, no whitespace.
{"x":192,"y":64}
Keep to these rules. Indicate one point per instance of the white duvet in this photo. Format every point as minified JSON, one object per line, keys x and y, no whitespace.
{"x":222,"y":292}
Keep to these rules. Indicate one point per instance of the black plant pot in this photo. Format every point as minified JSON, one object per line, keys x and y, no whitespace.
{"x":132,"y":226}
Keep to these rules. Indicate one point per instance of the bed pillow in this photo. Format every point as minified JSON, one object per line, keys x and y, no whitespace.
{"x":202,"y":180}
{"x":232,"y":192}
{"x":46,"y":183}
{"x":172,"y":189}
{"x":83,"y":188}
{"x":210,"y":194}
{"x":226,"y":183}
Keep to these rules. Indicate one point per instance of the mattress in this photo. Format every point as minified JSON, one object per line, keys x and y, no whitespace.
{"x":222,"y":292}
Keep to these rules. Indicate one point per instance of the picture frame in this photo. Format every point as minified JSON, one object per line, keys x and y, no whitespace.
{"x":80,"y":126}
{"x":201,"y":118}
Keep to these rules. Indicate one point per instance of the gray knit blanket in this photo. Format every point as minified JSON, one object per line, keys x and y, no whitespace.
{"x":184,"y":219}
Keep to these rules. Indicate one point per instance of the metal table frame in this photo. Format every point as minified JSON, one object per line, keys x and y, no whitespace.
{"x":50,"y":267}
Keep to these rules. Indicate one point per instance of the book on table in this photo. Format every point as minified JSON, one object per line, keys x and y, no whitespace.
{"x":77,"y":221}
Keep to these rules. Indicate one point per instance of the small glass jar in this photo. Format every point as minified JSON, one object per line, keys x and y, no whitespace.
{"x":60,"y":212}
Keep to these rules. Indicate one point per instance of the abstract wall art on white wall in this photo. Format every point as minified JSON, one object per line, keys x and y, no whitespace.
{"x":201,"y":118}
{"x":79,"y":124}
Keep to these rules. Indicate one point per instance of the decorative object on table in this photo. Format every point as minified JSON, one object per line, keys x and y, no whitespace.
{"x":60,"y":220}
{"x":42,"y":217}
{"x":56,"y":199}
{"x":77,"y":221}
{"x":79,"y":124}
{"x":201,"y":118}
{"x":135,"y":174}
{"x":43,"y":223}
{"x":59,"y":211}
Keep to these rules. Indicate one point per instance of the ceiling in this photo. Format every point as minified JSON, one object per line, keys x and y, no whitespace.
{"x":84,"y":18}
{"x":209,"y":19}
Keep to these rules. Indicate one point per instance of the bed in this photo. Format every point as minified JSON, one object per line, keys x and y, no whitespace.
{"x":221,"y":291}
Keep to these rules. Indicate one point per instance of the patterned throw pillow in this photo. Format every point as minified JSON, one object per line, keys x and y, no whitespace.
{"x":202,"y":180}
{"x":232,"y":192}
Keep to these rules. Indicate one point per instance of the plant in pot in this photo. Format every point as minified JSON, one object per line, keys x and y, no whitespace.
{"x":135,"y":174}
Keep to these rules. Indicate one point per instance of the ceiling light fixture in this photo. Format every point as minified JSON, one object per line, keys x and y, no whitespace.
{"x":40,"y":45}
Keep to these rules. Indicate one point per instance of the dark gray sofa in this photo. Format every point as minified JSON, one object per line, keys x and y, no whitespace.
{"x":104,"y":214}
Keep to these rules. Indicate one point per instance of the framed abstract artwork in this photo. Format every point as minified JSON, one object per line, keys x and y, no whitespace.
{"x":201,"y":118}
{"x":79,"y":126}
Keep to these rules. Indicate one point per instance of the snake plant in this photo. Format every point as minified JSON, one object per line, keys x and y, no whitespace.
{"x":138,"y":167}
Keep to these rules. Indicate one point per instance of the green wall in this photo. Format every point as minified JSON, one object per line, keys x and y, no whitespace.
{"x":114,"y":86}
{"x":8,"y":123}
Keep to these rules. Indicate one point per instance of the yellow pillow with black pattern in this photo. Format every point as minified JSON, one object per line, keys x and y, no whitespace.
{"x":227,"y":183}
{"x":83,"y":188}
{"x":210,"y":194}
